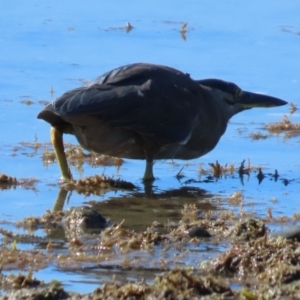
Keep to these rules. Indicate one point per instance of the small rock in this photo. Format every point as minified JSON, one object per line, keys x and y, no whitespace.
{"x":199,"y":232}
{"x":83,"y":218}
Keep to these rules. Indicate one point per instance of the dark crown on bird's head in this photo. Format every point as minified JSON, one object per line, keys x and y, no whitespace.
{"x":230,"y":91}
{"x":224,"y":86}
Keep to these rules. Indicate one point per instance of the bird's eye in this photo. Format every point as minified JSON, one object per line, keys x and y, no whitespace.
{"x":237,"y":93}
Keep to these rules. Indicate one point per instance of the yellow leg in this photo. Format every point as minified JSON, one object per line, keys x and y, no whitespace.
{"x":57,"y":141}
{"x":148,"y":175}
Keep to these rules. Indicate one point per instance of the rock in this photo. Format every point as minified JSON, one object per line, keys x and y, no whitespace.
{"x":199,"y":232}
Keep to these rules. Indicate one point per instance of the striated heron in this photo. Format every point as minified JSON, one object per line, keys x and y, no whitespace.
{"x":147,"y":111}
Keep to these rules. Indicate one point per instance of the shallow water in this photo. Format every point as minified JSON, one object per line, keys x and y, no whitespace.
{"x":47,"y":48}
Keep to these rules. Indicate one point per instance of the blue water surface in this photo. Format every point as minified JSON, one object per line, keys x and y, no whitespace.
{"x":49,"y":47}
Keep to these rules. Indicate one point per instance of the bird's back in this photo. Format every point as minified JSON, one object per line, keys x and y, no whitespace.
{"x":140,"y":72}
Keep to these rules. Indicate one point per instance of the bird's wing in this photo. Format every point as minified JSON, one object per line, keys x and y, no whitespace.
{"x":155,"y":110}
{"x":102,"y":101}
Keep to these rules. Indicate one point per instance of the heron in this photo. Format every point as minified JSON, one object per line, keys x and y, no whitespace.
{"x":148,"y":112}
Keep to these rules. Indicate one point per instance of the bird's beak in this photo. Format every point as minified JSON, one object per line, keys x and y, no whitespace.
{"x":250,"y":100}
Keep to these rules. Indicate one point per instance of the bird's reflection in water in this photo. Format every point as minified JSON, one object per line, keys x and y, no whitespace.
{"x":61,"y":199}
{"x":140,"y":209}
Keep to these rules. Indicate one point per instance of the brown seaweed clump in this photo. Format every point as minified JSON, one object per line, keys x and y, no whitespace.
{"x":250,"y":230}
{"x":27,"y":287}
{"x":20,"y":281}
{"x":176,"y":284}
{"x":286,"y":126}
{"x":219,"y":170}
{"x":97,"y":185}
{"x":127,"y":240}
{"x":260,"y":257}
{"x":186,"y":285}
{"x":6,"y":181}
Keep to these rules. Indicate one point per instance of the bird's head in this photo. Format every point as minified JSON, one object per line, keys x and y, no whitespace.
{"x":235,"y":99}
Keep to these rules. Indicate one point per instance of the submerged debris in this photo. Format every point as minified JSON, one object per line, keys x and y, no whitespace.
{"x":128,"y":27}
{"x":293,"y":108}
{"x":258,"y":136}
{"x":77,"y":157}
{"x":236,"y":198}
{"x":28,"y":102}
{"x":184,"y":27}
